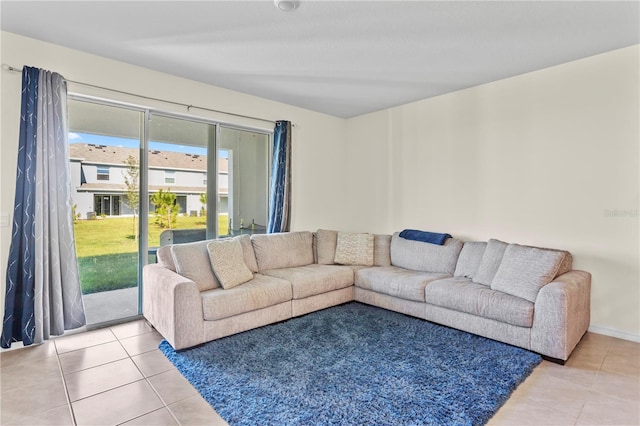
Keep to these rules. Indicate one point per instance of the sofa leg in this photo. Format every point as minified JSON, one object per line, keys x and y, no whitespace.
{"x":554,"y":360}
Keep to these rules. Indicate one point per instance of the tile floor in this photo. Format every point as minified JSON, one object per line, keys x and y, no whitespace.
{"x":117,"y":376}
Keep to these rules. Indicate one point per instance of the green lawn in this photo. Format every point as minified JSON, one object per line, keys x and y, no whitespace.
{"x":108,"y":252}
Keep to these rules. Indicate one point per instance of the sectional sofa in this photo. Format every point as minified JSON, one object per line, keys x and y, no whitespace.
{"x":524,"y":296}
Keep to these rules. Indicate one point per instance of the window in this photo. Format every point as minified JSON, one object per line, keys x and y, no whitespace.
{"x":103,"y":173}
{"x":204,"y":179}
{"x":169,"y":176}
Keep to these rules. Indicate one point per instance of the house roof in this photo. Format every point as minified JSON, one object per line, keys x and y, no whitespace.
{"x":170,"y":160}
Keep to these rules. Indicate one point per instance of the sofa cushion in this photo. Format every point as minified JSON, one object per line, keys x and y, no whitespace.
{"x":326,"y":242}
{"x":525,"y":270}
{"x":248,"y":253}
{"x":311,"y":280}
{"x":397,"y":282}
{"x":469,"y":259}
{"x":354,"y":249}
{"x":283,"y":250}
{"x":192,"y":261}
{"x":461,"y":294}
{"x":490,"y":262}
{"x":164,"y":258}
{"x":381,"y":250}
{"x":426,"y":257}
{"x":260,"y":292}
{"x":227,"y":262}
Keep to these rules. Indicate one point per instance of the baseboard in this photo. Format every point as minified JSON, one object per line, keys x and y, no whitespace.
{"x":625,"y":335}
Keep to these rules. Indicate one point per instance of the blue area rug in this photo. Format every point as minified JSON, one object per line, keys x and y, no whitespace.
{"x":352,"y":365}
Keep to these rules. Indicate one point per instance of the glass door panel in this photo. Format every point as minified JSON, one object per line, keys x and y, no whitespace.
{"x":177,"y":180}
{"x":104,"y":150}
{"x":243,"y":175}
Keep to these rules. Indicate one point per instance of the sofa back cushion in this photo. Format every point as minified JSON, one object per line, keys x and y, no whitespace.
{"x":426,"y":257}
{"x":283,"y":250}
{"x":247,"y":252}
{"x":381,"y":250}
{"x":469,"y":259}
{"x":490,"y":262}
{"x":192,"y":261}
{"x":165,"y":258}
{"x":525,"y":270}
{"x":326,"y":242}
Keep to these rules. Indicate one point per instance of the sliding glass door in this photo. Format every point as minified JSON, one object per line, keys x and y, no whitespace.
{"x":142,"y":179}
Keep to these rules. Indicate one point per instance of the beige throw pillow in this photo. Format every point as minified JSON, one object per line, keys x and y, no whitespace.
{"x":354,"y":249}
{"x":227,"y":262}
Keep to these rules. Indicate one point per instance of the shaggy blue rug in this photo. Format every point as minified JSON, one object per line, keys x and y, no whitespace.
{"x":354,"y":364}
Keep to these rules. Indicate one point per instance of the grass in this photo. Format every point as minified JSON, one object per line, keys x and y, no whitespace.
{"x":108,"y":252}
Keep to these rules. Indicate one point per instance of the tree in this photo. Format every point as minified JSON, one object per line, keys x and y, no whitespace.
{"x":203,"y":201}
{"x":132,"y":196}
{"x":166,"y":208}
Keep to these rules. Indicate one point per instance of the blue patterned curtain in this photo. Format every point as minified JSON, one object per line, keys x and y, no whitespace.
{"x":280,"y":193}
{"x":43,"y":294}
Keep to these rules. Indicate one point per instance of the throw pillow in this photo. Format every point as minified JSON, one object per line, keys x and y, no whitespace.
{"x":490,"y":262}
{"x":525,"y":270}
{"x":192,"y":261}
{"x":227,"y":261}
{"x":326,"y":242}
{"x":354,"y":249}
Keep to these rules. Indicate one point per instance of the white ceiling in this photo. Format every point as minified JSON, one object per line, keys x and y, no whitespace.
{"x":343,"y":58}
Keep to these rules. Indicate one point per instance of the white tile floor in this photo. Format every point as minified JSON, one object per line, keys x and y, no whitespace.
{"x":117,"y":375}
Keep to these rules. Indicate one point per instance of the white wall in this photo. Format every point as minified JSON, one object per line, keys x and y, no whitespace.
{"x":317,"y":138}
{"x":548,"y":158}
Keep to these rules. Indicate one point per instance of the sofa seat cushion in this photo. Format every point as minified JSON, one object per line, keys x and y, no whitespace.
{"x":314,"y":279}
{"x":397,"y":282}
{"x":261,"y":292}
{"x":461,"y":294}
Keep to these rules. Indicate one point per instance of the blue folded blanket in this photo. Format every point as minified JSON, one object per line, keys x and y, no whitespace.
{"x":424,"y":236}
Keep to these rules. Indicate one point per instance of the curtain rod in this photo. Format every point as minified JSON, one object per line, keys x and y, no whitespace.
{"x":188,"y":106}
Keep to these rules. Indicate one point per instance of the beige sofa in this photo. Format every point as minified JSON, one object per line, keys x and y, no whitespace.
{"x":525,"y":296}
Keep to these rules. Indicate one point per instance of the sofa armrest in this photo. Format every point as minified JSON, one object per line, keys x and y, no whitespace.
{"x":172,"y":304}
{"x":562,"y":314}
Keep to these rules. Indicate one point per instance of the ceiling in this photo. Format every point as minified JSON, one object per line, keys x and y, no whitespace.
{"x":343,"y":58}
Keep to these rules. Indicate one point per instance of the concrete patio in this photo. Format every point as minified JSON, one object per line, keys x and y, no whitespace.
{"x":111,"y":305}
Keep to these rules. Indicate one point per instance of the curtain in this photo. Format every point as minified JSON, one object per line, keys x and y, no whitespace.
{"x":280,"y":188}
{"x":43,"y":294}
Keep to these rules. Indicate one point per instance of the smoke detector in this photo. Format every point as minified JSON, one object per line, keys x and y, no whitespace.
{"x":286,"y":5}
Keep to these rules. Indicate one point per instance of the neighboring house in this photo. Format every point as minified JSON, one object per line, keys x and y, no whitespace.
{"x":98,"y":179}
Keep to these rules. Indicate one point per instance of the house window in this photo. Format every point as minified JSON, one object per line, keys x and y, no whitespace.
{"x":204,"y":179}
{"x":103,"y":173}
{"x":169,"y":176}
